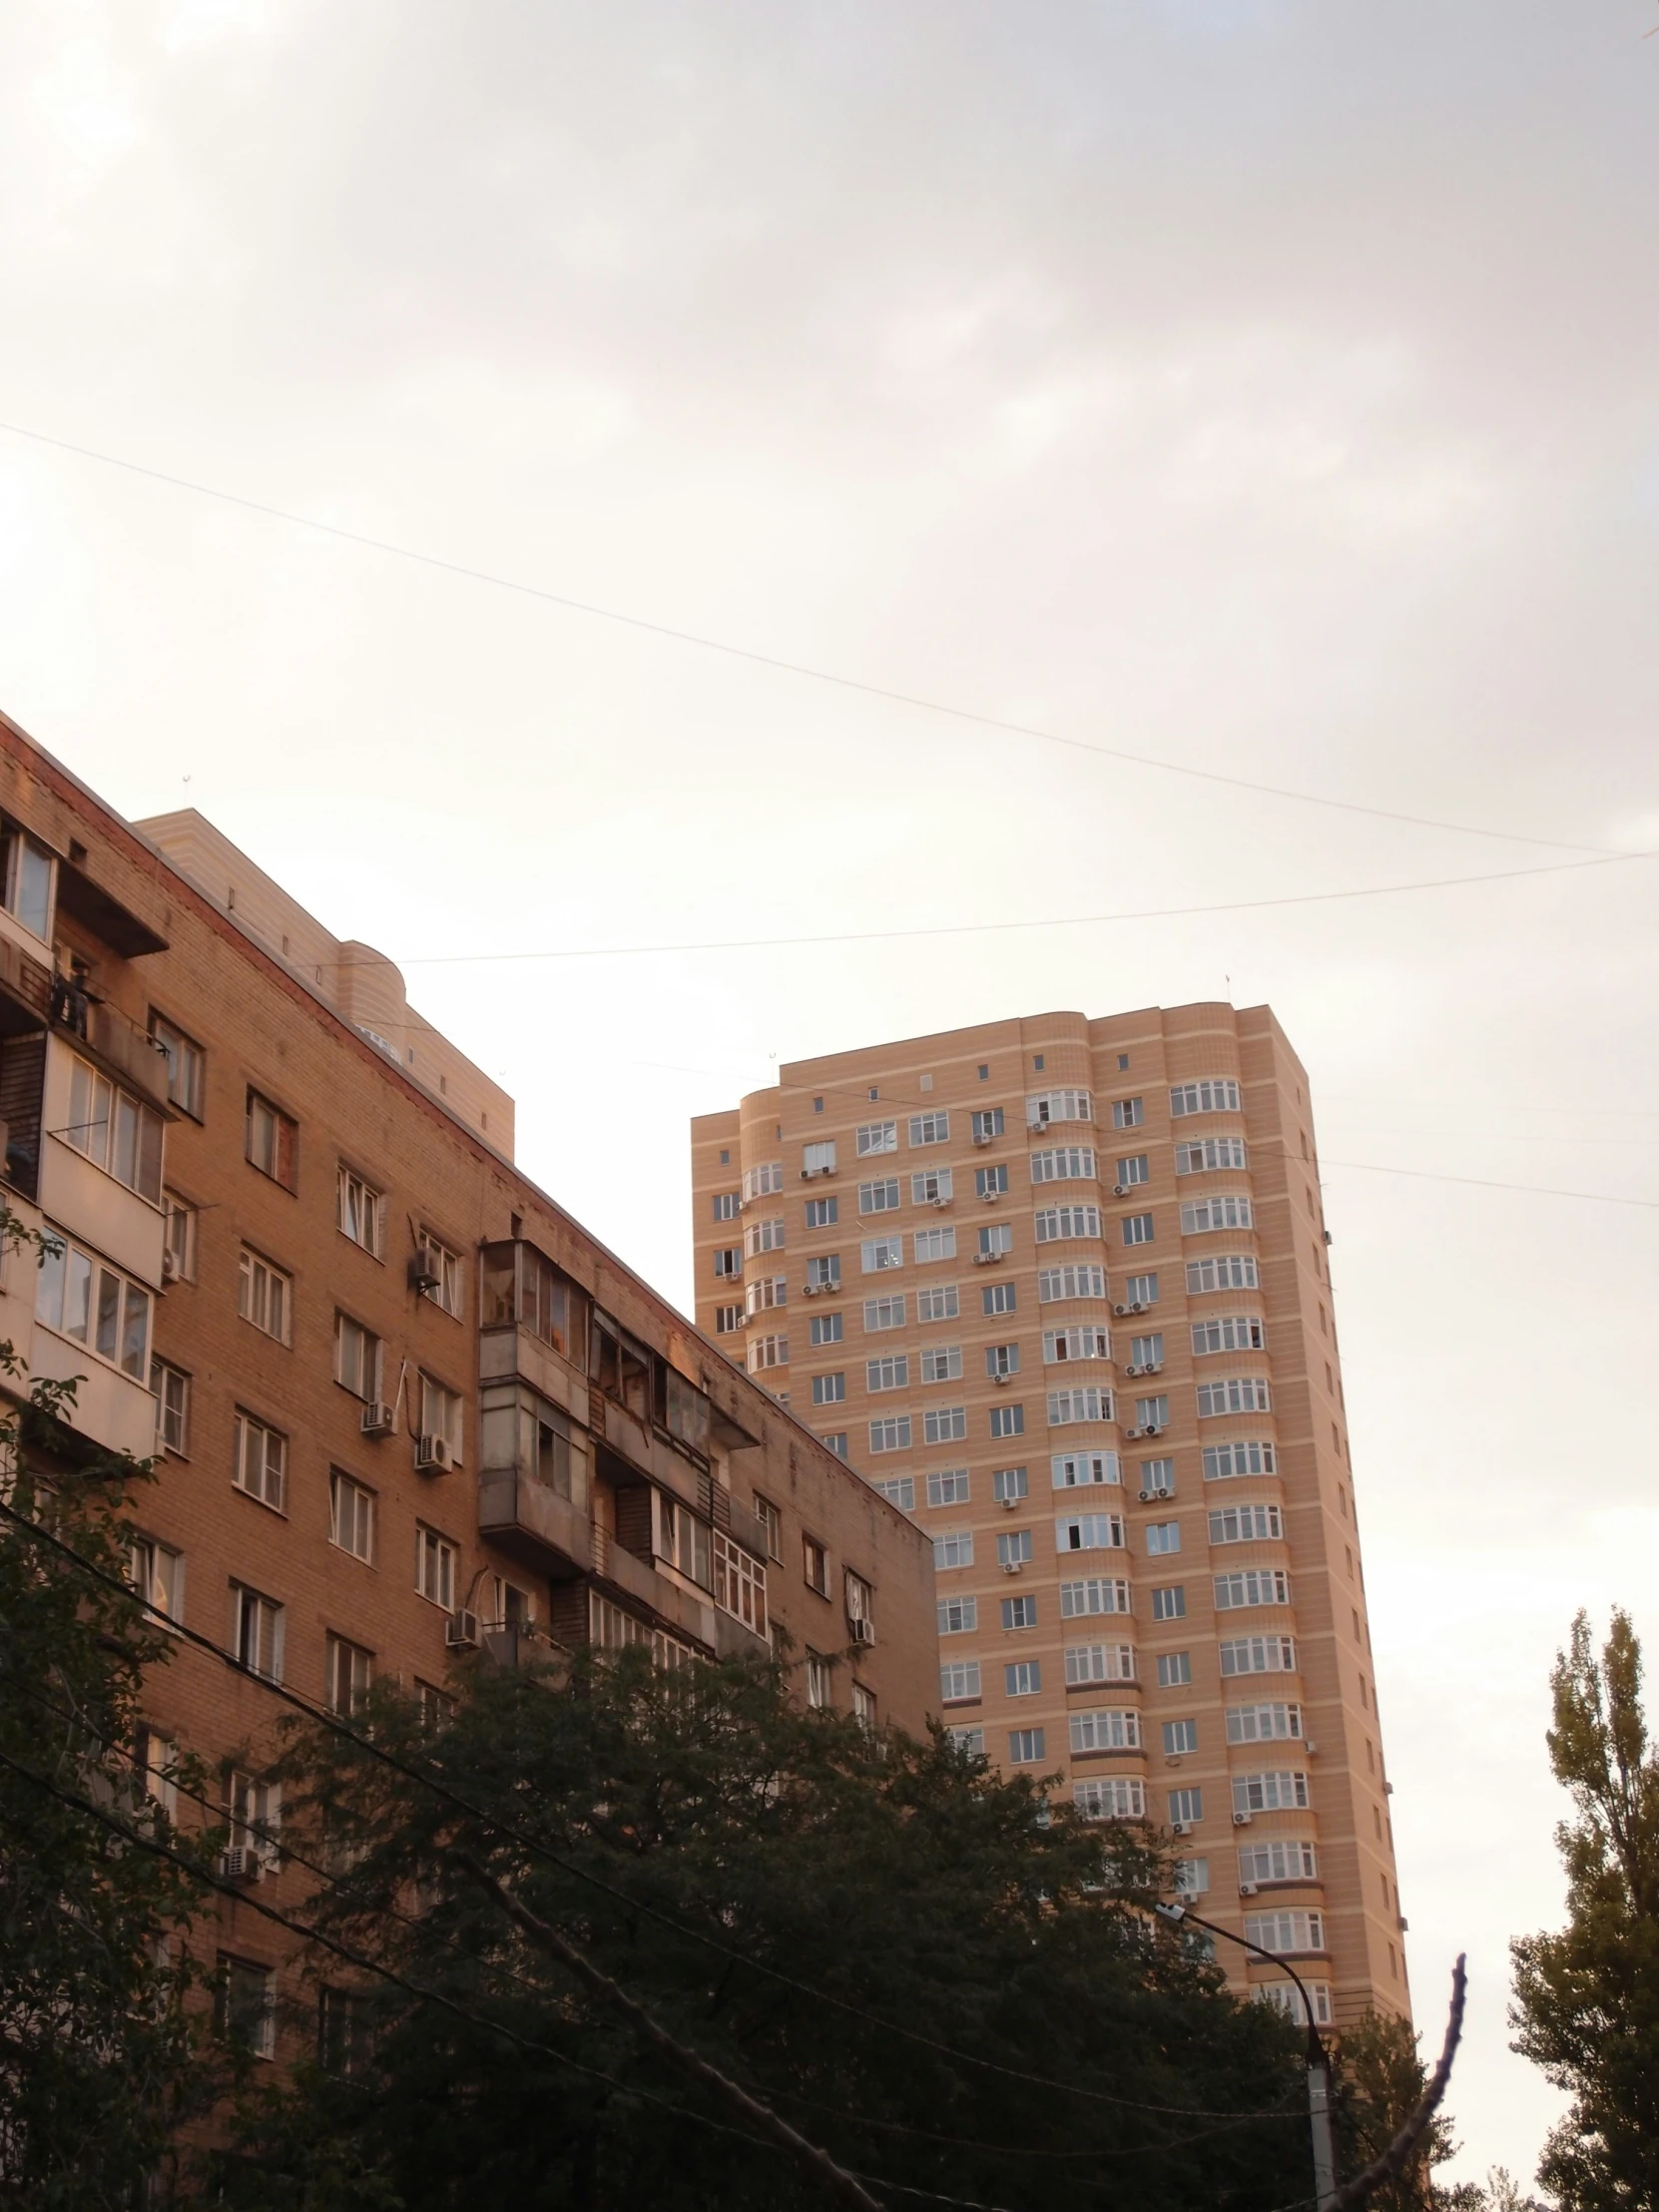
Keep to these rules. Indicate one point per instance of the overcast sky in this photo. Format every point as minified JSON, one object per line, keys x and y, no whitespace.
{"x":1265,"y":386}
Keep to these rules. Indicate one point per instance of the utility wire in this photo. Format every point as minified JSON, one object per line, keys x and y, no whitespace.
{"x":1484,"y":1183}
{"x":775,"y":660}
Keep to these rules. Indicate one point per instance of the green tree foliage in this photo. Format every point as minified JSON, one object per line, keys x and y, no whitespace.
{"x":903,"y":1879}
{"x":1378,"y":2078}
{"x":1586,"y":2005}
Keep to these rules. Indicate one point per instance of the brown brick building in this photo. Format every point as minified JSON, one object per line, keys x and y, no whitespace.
{"x":403,"y":1406}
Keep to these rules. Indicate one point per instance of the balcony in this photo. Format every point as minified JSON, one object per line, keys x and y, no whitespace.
{"x":635,"y":1578}
{"x":83,"y":1199}
{"x":531,"y":1520}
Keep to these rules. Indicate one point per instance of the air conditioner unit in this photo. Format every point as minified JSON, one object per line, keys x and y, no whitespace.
{"x":376,"y":1420}
{"x":1243,"y":1819}
{"x":991,"y":1197}
{"x":1120,"y":1310}
{"x":1247,"y":1888}
{"x":1311,"y":1748}
{"x":462,"y":1630}
{"x":985,"y":1140}
{"x":1151,"y":1430}
{"x":1133,"y":1370}
{"x":810,"y":1290}
{"x":940,"y":1201}
{"x":1008,"y":1504}
{"x":860,"y":1630}
{"x":433,"y":1455}
{"x":1131,"y":1433}
{"x":1180,"y":1828}
{"x":1138,"y":1307}
{"x":1014,"y":1566}
{"x":988,"y":1259}
{"x":1146,"y":1497}
{"x":170,"y":1267}
{"x":425,"y":1270}
{"x":1002,"y":1380}
{"x":1120,"y":1190}
{"x":241,"y":1863}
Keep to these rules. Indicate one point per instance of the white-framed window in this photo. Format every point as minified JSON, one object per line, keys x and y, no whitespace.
{"x":351,"y":1516}
{"x":899,"y":1490}
{"x":740,"y":1583}
{"x":987,"y":1123}
{"x":271,"y":1140}
{"x":891,"y":1434}
{"x":766,"y":1292}
{"x":157,"y":1572}
{"x":169,"y":1387}
{"x":944,"y":1424}
{"x":1223,"y":1270}
{"x":941,"y":1362}
{"x":1054,"y":1224}
{"x":179,"y":1235}
{"x":245,"y":2004}
{"x":876,"y":1254}
{"x":959,"y":1679}
{"x":1047,"y":1107}
{"x":445,"y":1292}
{"x":936,"y":1302}
{"x":1215,"y":1095}
{"x":435,"y":1561}
{"x":890,"y":1373}
{"x":874,"y":1137}
{"x":822,"y":1213}
{"x":1079,"y":1470}
{"x":763,"y":1236}
{"x":357,"y":1359}
{"x":1191,"y":1877}
{"x":1022,"y":1678}
{"x":1007,"y":1420}
{"x":26,"y":871}
{"x":1085,"y":1341}
{"x":1258,"y":1655}
{"x":1001,"y":1362}
{"x":768,"y":1352}
{"x":1230,"y":1332}
{"x":1281,"y":1790}
{"x":1225,"y":1463}
{"x":863,"y":1707}
{"x":1179,"y":1738}
{"x":1138,"y":1229}
{"x":265,"y":1295}
{"x":1286,"y":1997}
{"x":1065,"y":1162}
{"x":156,"y":1767}
{"x":186,"y":1065}
{"x":1027,"y":1747}
{"x":1158,"y":1478}
{"x":728,"y":1261}
{"x":1162,"y":1537}
{"x":820,"y":1158}
{"x":1288,"y":1930}
{"x":998,"y":1298}
{"x":968,"y":1740}
{"x":1246,"y":1524}
{"x":991,"y":1183}
{"x":933,"y":1188}
{"x":1186,"y":1807}
{"x":1014,"y":1549}
{"x":958,"y":1617}
{"x":824,"y":1272}
{"x":1107,"y":1728}
{"x":933,"y":1245}
{"x":948,"y":1487}
{"x":1099,"y":1663}
{"x":1229,"y":1209}
{"x":884,"y":1313}
{"x":1206,"y":1153}
{"x":765,"y":1181}
{"x":442,"y":1413}
{"x":1131,"y":1171}
{"x":728,"y":1320}
{"x":880,"y":1198}
{"x":1170,"y":1604}
{"x":81,"y":1295}
{"x":1233,"y":1394}
{"x":1280,"y":1859}
{"x":348,"y":1675}
{"x":1009,"y":1484}
{"x":359,"y":1209}
{"x":256,"y":1632}
{"x":1099,"y":1594}
{"x":1264,"y":1724}
{"x":930,"y":1128}
{"x":1088,"y":1532}
{"x":727,"y":1205}
{"x":826,"y":1329}
{"x":996,"y":1241}
{"x":953,"y":1550}
{"x":262,"y":1460}
{"x":1128,"y":1113}
{"x":1084,"y":1280}
{"x":114,"y":1130}
{"x":1174,"y":1669}
{"x":1087,"y":1401}
{"x":1141,"y":1289}
{"x":828,"y":1390}
{"x":1252,"y":1586}
{"x":772,"y":1520}
{"x":1152,"y":1413}
{"x":1110,"y":1797}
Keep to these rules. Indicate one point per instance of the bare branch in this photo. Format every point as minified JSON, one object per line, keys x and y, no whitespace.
{"x":1398,"y":2153}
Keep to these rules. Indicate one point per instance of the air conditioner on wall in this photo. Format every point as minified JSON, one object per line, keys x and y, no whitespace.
{"x":377,"y":1421}
{"x":461,"y":1632}
{"x":425,"y":1270}
{"x":860,"y":1630}
{"x":1243,"y":1819}
{"x":1247,"y":1888}
{"x":433,"y":1455}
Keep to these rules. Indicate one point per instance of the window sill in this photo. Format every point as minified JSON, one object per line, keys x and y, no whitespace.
{"x":264,"y":1505}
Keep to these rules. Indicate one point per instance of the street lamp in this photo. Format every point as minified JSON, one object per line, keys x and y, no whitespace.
{"x":1319,"y":2059}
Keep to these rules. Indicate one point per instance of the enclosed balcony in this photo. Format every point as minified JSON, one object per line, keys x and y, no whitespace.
{"x":535,"y":1485}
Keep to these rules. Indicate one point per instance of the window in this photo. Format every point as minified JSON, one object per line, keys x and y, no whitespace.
{"x":1156,"y":1478}
{"x":728,"y":1261}
{"x":1022,"y":1678}
{"x":272,"y":1140}
{"x":1077,"y":1470}
{"x":435,"y":1568}
{"x":348,"y":1670}
{"x":876,"y":1136}
{"x":727,"y":1205}
{"x":899,"y":1490}
{"x":824,"y":1328}
{"x":941,"y":1362}
{"x":876,"y":1253}
{"x":170,"y":1387}
{"x":1192,"y":1877}
{"x":1285,"y":1931}
{"x":1085,"y":1342}
{"x":824,"y":1272}
{"x":1100,"y":1594}
{"x":1147,"y":1352}
{"x":178,"y":1237}
{"x":1209,"y":1152}
{"x":1087,"y":1281}
{"x":1007,"y":1420}
{"x":768,"y":1352}
{"x":345,"y":2041}
{"x":972,"y":1740}
{"x":1223,"y":1270}
{"x":998,"y":1298}
{"x":443,"y":1414}
{"x":1026,"y":1747}
{"x":1100,"y":1663}
{"x":1111,"y":1729}
{"x":356,"y":1359}
{"x":1170,"y":1604}
{"x":115,"y":1131}
{"x":892,"y":1434}
{"x":1217,"y":1095}
{"x":1186,"y":1807}
{"x":932,"y":1128}
{"x":959,"y":1680}
{"x":1020,"y":1612}
{"x":990,"y":1182}
{"x":987,"y":1123}
{"x":247,"y":2007}
{"x":265,"y":1295}
{"x":949,"y":1487}
{"x":931,"y":1189}
{"x":26,"y":881}
{"x":1162,"y":1536}
{"x":1233,"y":1394}
{"x":1088,"y":1532}
{"x":1001,"y":1361}
{"x":156,"y":1767}
{"x":1052,"y":1106}
{"x":932,"y":1244}
{"x":954,"y":1551}
{"x":1129,"y":1172}
{"x":358,"y":1210}
{"x":1152,"y":1413}
{"x":878,"y":1198}
{"x":1230,"y":1332}
{"x":1180,"y":1736}
{"x":1014,"y":1549}
{"x":1009,"y":1483}
{"x":958,"y":1617}
{"x":727,"y":1320}
{"x":768,"y":1291}
{"x":1087,"y":1402}
{"x":1056,"y":1223}
{"x":890,"y":1373}
{"x":863,"y":1707}
{"x":1286,"y":1997}
{"x":820,"y":1158}
{"x":884,"y":1313}
{"x":1225,"y":1462}
{"x":1118,"y":1797}
{"x":1199,"y":1216}
{"x":815,"y":1565}
{"x":1174,"y":1668}
{"x":1128,"y":1113}
{"x":1258,"y":1655}
{"x":822,"y":1213}
{"x":157,"y":1572}
{"x":1246,"y":1524}
{"x":828,"y":1390}
{"x":1282,"y":1858}
{"x":350,"y":1517}
{"x":445,"y":1291}
{"x":763,"y":1236}
{"x":1252,"y":1586}
{"x":1141,"y":1289}
{"x":1264,"y":1724}
{"x":1063,"y":1164}
{"x":772,"y":1522}
{"x":1137,"y":1229}
{"x":256,"y":1632}
{"x":262,"y":1458}
{"x":942,"y":1424}
{"x":937,"y":1302}
{"x":996,"y":1241}
{"x":765,"y":1181}
{"x":186,"y":1065}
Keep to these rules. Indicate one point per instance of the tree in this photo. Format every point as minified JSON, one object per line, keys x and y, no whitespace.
{"x":1377,"y":2080}
{"x":1586,"y":2000}
{"x":99,"y":2060}
{"x":832,"y":1917}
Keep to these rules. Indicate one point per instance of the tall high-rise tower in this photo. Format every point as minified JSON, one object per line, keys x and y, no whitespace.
{"x":1059,"y":1287}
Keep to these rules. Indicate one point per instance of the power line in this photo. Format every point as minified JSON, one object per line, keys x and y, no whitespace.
{"x":777,"y":662}
{"x":1484,"y":1183}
